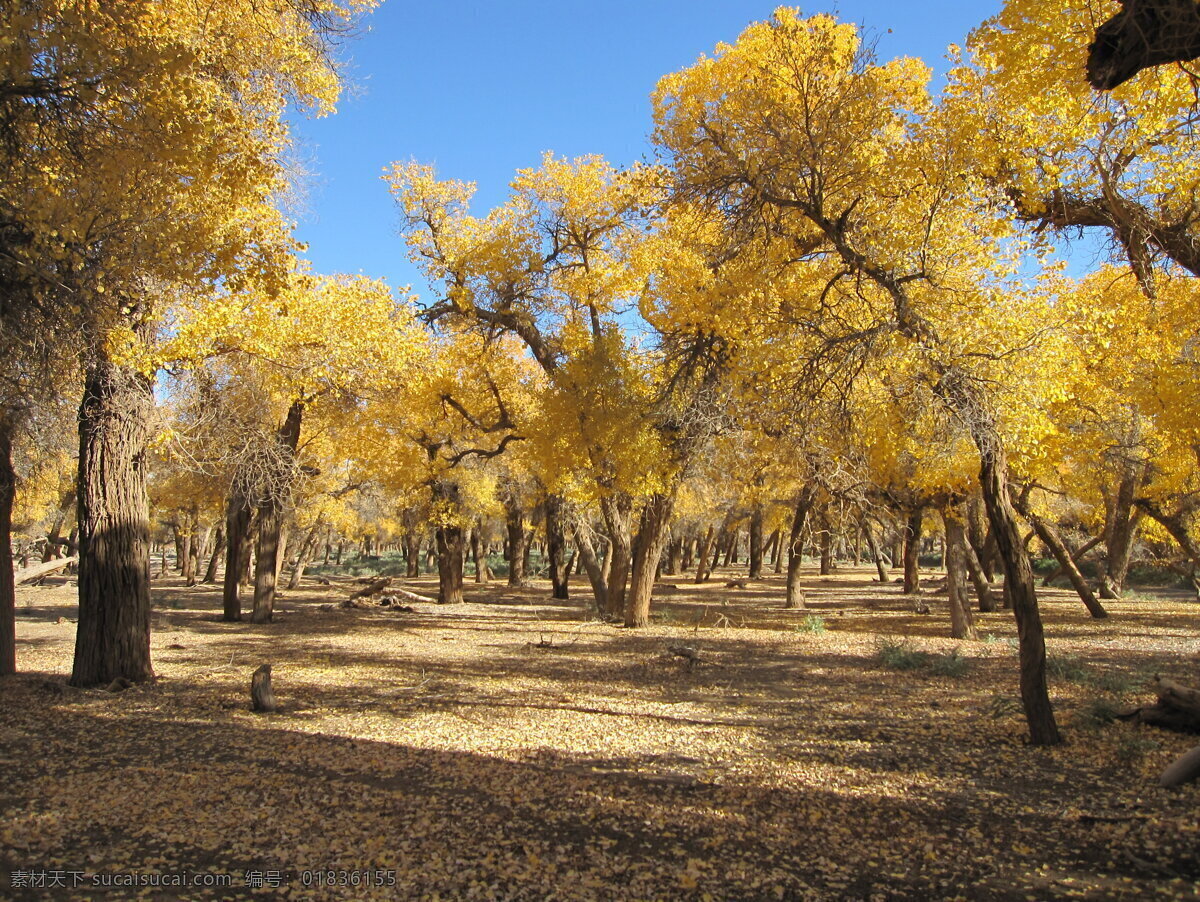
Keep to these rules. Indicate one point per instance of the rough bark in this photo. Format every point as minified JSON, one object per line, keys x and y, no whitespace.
{"x":237,"y":551}
{"x":1122,"y":532}
{"x":556,"y":544}
{"x":756,"y":543}
{"x":262,"y":698}
{"x":483,"y":573}
{"x":617,"y":511}
{"x":113,"y":635}
{"x":514,"y":523}
{"x":271,"y":513}
{"x":1143,"y":34}
{"x":450,"y":564}
{"x":876,"y":555}
{"x":795,"y":595}
{"x":653,"y":529}
{"x":1051,"y":539}
{"x":912,"y":552}
{"x":703,"y":565}
{"x":591,"y":564}
{"x":962,"y":621}
{"x":1018,"y":578}
{"x":8,"y":586}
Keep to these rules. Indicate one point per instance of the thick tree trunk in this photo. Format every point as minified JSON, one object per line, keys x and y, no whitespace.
{"x":515,"y":525}
{"x":210,"y":573}
{"x":653,"y":530}
{"x":113,"y":636}
{"x":450,"y":564}
{"x":703,"y":565}
{"x":756,"y":543}
{"x":271,"y":514}
{"x":237,"y":551}
{"x":556,"y":544}
{"x":795,"y":595}
{"x":1123,"y":526}
{"x":912,"y":552}
{"x":1018,"y":578}
{"x":962,"y":621}
{"x":617,"y":511}
{"x":8,"y":587}
{"x":674,"y":556}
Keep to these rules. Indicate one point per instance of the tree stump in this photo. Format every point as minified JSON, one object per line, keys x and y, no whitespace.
{"x":262,"y":699}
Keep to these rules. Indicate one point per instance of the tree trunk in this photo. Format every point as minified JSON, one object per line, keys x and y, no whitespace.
{"x":826,"y":546}
{"x":962,"y":621}
{"x":1123,"y":531}
{"x":873,"y":548}
{"x":674,"y":556}
{"x":271,"y":513}
{"x":1018,"y":579}
{"x":795,"y":595}
{"x":1077,"y":555}
{"x":8,"y":586}
{"x":756,"y":543}
{"x":483,"y":573}
{"x":210,"y":573}
{"x":595,"y":572}
{"x":912,"y":553}
{"x":653,"y":530}
{"x":307,"y":548}
{"x":617,"y":511}
{"x":237,"y":551}
{"x":515,"y":525}
{"x":1050,"y":538}
{"x":450,"y":564}
{"x":187,"y":538}
{"x":54,"y":540}
{"x":556,"y":543}
{"x":983,"y":587}
{"x":113,"y":636}
{"x":703,"y":565}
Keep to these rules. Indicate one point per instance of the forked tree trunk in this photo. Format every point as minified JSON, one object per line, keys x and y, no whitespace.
{"x":515,"y":525}
{"x":756,"y":543}
{"x":271,"y":513}
{"x":617,"y":511}
{"x":113,"y":636}
{"x":703,"y":567}
{"x":795,"y":595}
{"x":54,"y":541}
{"x":962,"y":621}
{"x":912,"y":553}
{"x":983,"y":588}
{"x":1018,"y":579}
{"x":483,"y":573}
{"x":8,"y":587}
{"x":307,"y":550}
{"x":873,"y":548}
{"x":653,"y":529}
{"x":556,"y":542}
{"x":1050,"y":538}
{"x":591,"y":564}
{"x":450,"y":564}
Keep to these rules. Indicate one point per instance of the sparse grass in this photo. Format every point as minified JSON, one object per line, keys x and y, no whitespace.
{"x":951,"y":664}
{"x":812,"y":623}
{"x":900,"y":655}
{"x":1067,"y":667}
{"x":1133,"y":747}
{"x":1095,"y":713}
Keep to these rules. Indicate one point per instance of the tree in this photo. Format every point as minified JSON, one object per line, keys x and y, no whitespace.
{"x":794,"y":128}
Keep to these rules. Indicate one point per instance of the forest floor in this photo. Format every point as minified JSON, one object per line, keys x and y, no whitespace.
{"x":516,"y":748}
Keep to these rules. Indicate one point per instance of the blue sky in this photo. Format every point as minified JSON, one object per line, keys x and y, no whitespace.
{"x":481,"y":89}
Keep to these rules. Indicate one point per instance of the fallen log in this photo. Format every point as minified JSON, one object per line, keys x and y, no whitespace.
{"x":412,"y":596}
{"x":1176,"y":708}
{"x":372,"y":588}
{"x":1182,"y":770}
{"x":34,"y":571}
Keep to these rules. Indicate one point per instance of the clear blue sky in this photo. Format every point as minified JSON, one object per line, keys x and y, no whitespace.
{"x":481,"y":89}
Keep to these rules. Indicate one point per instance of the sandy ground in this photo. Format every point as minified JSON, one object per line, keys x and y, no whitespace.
{"x":514,"y":748}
